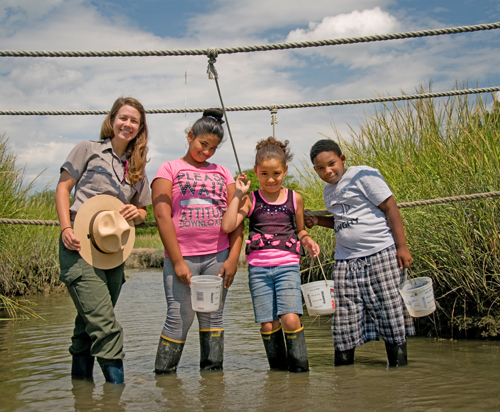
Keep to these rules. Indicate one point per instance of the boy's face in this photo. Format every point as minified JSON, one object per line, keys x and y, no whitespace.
{"x":329,"y":166}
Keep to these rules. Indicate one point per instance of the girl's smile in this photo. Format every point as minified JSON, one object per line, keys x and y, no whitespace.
{"x":201,"y":148}
{"x":271,"y":173}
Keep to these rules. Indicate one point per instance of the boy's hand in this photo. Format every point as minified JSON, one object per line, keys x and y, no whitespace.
{"x":310,"y":221}
{"x":404,"y":257}
{"x":241,"y":186}
{"x":311,"y":246}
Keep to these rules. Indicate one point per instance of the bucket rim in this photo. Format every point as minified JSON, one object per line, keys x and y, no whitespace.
{"x":206,"y":279}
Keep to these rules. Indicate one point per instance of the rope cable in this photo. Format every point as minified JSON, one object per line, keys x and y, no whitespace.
{"x":271,"y":107}
{"x":249,"y":49}
{"x":428,"y":202}
{"x":212,"y":74}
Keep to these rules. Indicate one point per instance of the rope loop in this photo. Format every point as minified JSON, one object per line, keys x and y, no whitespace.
{"x":212,"y":53}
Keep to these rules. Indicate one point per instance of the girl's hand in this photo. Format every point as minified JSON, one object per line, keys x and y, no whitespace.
{"x":69,"y":240}
{"x":129,"y":212}
{"x":311,"y":246}
{"x":241,"y":186}
{"x":404,"y":257}
{"x":310,"y":221}
{"x":183,"y":272}
{"x":229,"y":269}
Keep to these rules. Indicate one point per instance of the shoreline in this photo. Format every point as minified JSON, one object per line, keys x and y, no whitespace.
{"x":148,"y":258}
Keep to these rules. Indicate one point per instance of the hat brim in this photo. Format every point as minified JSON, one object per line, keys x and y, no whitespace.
{"x":81,"y":228}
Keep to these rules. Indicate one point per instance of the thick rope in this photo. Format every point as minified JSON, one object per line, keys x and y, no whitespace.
{"x":429,"y":202}
{"x":403,"y":205}
{"x":268,"y":107}
{"x":249,"y":49}
{"x":212,"y":74}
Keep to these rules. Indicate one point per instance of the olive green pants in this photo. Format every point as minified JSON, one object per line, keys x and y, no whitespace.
{"x":94,"y":293}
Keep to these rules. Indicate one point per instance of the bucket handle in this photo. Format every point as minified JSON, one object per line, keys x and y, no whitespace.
{"x":322,"y":271}
{"x":412,"y":282}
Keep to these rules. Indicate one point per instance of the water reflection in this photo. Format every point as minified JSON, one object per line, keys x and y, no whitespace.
{"x":35,"y":366}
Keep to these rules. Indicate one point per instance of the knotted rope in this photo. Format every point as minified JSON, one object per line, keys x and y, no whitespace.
{"x":274,"y":118}
{"x":249,"y":49}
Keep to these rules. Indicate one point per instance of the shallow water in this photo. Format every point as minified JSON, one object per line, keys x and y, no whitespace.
{"x":35,"y":366}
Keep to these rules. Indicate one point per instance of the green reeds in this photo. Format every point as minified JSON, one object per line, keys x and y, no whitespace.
{"x":17,"y":309}
{"x":426,"y":150}
{"x":28,"y":254}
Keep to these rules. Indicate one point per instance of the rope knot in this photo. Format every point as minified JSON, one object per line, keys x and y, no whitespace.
{"x":274,"y":111}
{"x":212,"y":53}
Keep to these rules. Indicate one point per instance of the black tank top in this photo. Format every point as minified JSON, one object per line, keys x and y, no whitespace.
{"x":273,"y":226}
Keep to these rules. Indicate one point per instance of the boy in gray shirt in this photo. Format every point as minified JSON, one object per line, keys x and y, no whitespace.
{"x":370,"y":256}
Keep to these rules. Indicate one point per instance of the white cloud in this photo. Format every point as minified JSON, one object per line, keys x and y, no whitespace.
{"x":354,"y":24}
{"x":243,"y":18}
{"x":318,"y":74}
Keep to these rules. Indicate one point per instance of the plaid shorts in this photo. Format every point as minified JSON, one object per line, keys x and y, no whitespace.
{"x":368,"y":302}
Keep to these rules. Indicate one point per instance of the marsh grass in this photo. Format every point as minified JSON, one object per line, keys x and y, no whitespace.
{"x":428,"y":150}
{"x":148,"y":240}
{"x":28,"y":254}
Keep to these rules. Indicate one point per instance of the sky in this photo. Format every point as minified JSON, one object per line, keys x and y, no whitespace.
{"x":41,"y":143}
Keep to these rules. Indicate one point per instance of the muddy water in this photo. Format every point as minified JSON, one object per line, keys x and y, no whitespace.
{"x":35,"y":366}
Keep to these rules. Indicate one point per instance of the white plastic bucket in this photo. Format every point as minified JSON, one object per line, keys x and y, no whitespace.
{"x":206,"y":293}
{"x":319,"y":297}
{"x":418,"y":296}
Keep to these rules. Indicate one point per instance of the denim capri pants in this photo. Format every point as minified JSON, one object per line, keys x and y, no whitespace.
{"x":275,"y":291}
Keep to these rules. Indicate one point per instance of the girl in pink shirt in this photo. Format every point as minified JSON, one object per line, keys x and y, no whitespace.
{"x":274,"y":248}
{"x":190,"y":196}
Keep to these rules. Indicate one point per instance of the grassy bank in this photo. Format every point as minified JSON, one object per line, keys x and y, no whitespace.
{"x":28,"y":260}
{"x":427,"y":151}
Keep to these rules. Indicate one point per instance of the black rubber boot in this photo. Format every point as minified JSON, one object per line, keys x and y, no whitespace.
{"x":82,"y":367}
{"x":396,"y":355}
{"x":211,"y":349}
{"x":345,"y":357}
{"x":274,"y":342}
{"x":112,"y":370}
{"x":297,"y":350}
{"x":168,"y":355}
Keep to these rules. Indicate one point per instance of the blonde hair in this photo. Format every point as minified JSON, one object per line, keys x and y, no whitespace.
{"x":137,"y":149}
{"x":272,"y":148}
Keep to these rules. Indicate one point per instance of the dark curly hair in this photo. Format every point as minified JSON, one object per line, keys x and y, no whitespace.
{"x":272,"y":148}
{"x":324,"y":145}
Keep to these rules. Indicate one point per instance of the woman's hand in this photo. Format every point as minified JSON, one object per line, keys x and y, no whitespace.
{"x":183,"y":272}
{"x":129,"y":212}
{"x":229,"y":269}
{"x":69,"y":240}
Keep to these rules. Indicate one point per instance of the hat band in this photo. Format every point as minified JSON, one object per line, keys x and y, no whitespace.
{"x":91,"y":233}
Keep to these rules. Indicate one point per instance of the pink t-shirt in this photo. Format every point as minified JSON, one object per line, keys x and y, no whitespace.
{"x":199,"y":200}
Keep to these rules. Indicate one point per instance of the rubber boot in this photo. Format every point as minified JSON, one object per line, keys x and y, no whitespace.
{"x":345,"y":357}
{"x":211,"y":349}
{"x":168,"y":355}
{"x":274,"y":342}
{"x":297,"y":350}
{"x":112,"y":370}
{"x":82,"y":367}
{"x":396,"y":355}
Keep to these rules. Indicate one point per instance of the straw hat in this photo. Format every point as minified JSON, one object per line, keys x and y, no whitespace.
{"x":106,"y":238}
